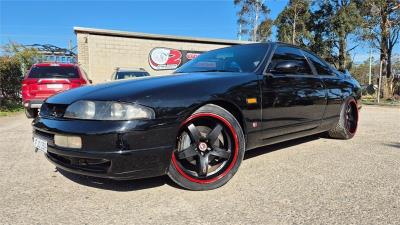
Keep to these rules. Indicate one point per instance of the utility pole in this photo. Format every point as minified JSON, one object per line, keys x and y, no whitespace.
{"x":380,"y":81}
{"x":370,"y":67}
{"x":70,"y":45}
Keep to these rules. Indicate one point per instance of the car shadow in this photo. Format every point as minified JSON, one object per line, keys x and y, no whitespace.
{"x":393,"y":144}
{"x":279,"y":146}
{"x":148,"y":183}
{"x":118,"y":185}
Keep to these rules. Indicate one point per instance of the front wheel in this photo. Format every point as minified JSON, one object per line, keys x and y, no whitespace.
{"x":210,"y":147}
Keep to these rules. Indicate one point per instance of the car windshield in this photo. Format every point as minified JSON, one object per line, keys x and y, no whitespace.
{"x":240,"y":58}
{"x":53,"y":72}
{"x":131,"y":74}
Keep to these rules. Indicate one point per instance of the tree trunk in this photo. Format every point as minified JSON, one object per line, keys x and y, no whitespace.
{"x":342,"y":51}
{"x":384,"y":48}
{"x":294,"y":26}
{"x":390,"y":84}
{"x":255,"y":25}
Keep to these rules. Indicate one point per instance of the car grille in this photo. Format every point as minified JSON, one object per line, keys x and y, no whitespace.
{"x":86,"y":164}
{"x":53,"y":110}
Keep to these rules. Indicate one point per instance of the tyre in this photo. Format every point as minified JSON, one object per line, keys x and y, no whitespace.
{"x":346,"y":127}
{"x":209,"y":150}
{"x":31,"y":113}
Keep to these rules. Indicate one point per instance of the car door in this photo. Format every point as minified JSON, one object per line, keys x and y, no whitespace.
{"x":334,"y":86}
{"x":292,"y":100}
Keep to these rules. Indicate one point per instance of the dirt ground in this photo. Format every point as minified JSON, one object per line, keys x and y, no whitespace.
{"x":311,"y":180}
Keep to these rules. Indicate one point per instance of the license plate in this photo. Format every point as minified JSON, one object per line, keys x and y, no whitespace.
{"x":40,"y":144}
{"x":54,"y":86}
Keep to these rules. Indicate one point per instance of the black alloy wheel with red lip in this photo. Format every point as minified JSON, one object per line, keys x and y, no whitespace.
{"x":210,"y":146}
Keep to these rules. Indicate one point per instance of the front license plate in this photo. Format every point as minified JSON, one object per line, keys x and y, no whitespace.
{"x":54,"y":86}
{"x":40,"y":144}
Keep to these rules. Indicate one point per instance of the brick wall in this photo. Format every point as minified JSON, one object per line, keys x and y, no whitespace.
{"x":100,"y":54}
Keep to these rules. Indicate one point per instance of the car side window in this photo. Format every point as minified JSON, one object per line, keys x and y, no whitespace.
{"x":321,"y":67}
{"x":284,"y":54}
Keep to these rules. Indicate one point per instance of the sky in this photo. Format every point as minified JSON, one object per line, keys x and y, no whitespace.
{"x":52,"y":22}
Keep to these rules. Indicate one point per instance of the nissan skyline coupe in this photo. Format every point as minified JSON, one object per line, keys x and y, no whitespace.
{"x":196,"y":124}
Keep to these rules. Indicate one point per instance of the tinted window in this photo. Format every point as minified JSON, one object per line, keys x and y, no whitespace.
{"x":125,"y":75}
{"x":321,"y":67}
{"x":283,"y":54}
{"x":53,"y":72}
{"x":240,"y":58}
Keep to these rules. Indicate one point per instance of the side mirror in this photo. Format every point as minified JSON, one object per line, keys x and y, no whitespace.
{"x":289,"y":66}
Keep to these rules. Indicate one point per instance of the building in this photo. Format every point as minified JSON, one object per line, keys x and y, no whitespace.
{"x":101,"y":51}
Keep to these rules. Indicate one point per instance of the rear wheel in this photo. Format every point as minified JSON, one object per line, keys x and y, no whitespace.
{"x":31,"y":113}
{"x":210,"y":147}
{"x":347,"y":125}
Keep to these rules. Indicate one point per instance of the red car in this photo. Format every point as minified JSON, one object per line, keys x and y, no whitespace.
{"x":46,"y":79}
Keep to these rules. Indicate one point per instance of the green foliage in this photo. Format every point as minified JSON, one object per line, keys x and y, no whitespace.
{"x":332,"y":24}
{"x":9,"y":107}
{"x":324,"y":28}
{"x":292,"y":22}
{"x":10,"y":78}
{"x":253,"y":20}
{"x":16,"y":60}
{"x":381,"y":29}
{"x":265,"y":30}
{"x":26,"y":56}
{"x":361,"y":72}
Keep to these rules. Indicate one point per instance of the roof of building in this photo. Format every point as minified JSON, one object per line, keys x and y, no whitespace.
{"x":119,"y":33}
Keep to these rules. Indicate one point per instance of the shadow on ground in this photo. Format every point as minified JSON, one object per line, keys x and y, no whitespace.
{"x":394,"y":144}
{"x":139,"y":184}
{"x":279,"y":146}
{"x":118,"y":185}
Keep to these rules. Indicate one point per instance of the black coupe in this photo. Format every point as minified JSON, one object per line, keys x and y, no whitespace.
{"x":196,"y":124}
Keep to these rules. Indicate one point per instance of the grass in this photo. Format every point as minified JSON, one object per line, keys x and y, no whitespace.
{"x":10,"y":113}
{"x":369,"y":100}
{"x":10,"y":108}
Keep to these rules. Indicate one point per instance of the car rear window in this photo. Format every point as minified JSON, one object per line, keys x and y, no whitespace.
{"x":125,"y":75}
{"x":53,"y":72}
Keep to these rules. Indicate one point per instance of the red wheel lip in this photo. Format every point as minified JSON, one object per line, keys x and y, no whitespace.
{"x":352,"y":132}
{"x":236,"y":150}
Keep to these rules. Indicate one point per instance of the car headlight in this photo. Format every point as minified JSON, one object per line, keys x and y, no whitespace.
{"x":107,"y":110}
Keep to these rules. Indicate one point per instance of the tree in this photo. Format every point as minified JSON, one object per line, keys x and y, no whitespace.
{"x":26,"y":56}
{"x":335,"y":21}
{"x":253,"y":20}
{"x":13,"y":64}
{"x":292,"y":22}
{"x":322,"y":40}
{"x":10,"y":78}
{"x":381,"y":28}
{"x":265,"y":30}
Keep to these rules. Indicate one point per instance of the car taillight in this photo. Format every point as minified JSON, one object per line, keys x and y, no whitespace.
{"x":80,"y":82}
{"x":28,"y":82}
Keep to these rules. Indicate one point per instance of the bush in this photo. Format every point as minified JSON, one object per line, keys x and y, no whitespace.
{"x":10,"y":80}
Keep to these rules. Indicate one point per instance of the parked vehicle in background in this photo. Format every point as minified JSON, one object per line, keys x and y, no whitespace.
{"x":127,"y":73}
{"x":46,"y":79}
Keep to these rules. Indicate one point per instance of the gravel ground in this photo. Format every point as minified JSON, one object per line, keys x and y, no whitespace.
{"x":311,"y":180}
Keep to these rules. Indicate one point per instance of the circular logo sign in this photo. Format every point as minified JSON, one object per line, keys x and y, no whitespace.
{"x":165,"y":58}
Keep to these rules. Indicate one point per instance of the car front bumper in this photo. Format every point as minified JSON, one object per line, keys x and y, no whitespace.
{"x":111,"y":149}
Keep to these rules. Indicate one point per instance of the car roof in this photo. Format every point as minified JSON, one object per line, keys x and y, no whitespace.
{"x":127,"y":69}
{"x":55,"y":64}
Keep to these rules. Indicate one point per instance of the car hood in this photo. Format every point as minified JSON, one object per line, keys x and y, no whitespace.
{"x":146,"y":87}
